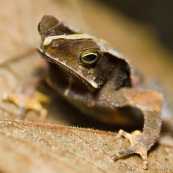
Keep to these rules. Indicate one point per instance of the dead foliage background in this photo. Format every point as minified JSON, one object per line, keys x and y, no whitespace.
{"x":55,"y":146}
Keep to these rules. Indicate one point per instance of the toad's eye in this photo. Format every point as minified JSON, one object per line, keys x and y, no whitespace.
{"x":89,"y":58}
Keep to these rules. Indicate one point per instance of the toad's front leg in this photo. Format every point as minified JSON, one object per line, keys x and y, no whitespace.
{"x":150,"y":104}
{"x":26,"y":97}
{"x":26,"y":102}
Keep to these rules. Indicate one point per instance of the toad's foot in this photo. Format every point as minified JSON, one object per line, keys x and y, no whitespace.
{"x":28,"y":102}
{"x":137,"y":146}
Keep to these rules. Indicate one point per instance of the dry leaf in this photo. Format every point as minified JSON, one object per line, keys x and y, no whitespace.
{"x":34,"y":147}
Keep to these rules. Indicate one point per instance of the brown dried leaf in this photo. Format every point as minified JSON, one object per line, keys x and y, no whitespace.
{"x":33,"y":147}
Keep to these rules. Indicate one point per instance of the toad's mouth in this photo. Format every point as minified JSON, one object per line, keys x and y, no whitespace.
{"x":90,"y":84}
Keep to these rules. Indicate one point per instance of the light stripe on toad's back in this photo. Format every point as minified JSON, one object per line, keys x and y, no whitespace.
{"x":49,"y":39}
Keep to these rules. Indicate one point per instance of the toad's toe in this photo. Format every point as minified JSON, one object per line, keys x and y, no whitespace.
{"x":138,"y":146}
